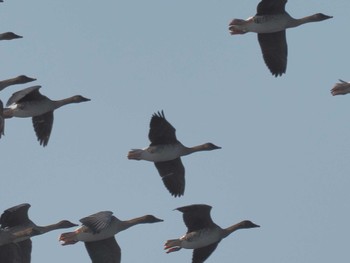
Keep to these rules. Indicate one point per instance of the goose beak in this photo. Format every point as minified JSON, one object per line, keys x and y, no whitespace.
{"x":85,"y":99}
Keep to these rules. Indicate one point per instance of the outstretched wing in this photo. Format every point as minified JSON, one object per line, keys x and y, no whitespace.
{"x":173,"y":176}
{"x":201,"y":254}
{"x":161,"y":131}
{"x":196,"y":217}
{"x":104,"y":251}
{"x":42,"y":126}
{"x":274,"y":49}
{"x":28,"y":94}
{"x":271,"y":7}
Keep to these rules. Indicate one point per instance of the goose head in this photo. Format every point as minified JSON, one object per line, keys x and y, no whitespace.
{"x":151,"y":219}
{"x":79,"y":98}
{"x":9,"y":36}
{"x":24,"y":79}
{"x":66,"y":224}
{"x":210,"y":146}
{"x":247,"y":224}
{"x":320,"y":17}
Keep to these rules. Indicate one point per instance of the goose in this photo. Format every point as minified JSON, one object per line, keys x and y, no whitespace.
{"x":30,"y":102}
{"x":97,"y":232}
{"x":165,"y":151}
{"x":13,"y":81}
{"x":270,"y":23}
{"x":9,"y":36}
{"x":16,"y":231}
{"x":203,"y":235}
{"x":341,"y":88}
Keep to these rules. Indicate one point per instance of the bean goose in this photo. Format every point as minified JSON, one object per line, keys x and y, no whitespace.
{"x":203,"y":235}
{"x":16,"y":231}
{"x":165,"y":151}
{"x":270,"y":23}
{"x":97,"y":232}
{"x":30,"y":102}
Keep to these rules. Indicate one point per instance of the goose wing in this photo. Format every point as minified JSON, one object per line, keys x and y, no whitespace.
{"x":28,"y":94}
{"x":16,"y":252}
{"x":271,"y":7}
{"x":196,"y":217}
{"x":97,"y":222}
{"x":14,"y":216}
{"x":173,"y":176}
{"x":161,"y":131}
{"x":25,"y":248}
{"x":201,"y":254}
{"x":104,"y":251}
{"x":274,"y":49}
{"x":42,"y":126}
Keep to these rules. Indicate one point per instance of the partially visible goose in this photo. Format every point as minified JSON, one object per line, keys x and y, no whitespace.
{"x":13,"y":81}
{"x":341,"y":88}
{"x":16,"y":231}
{"x":2,"y":121}
{"x":30,"y":102}
{"x":203,"y":235}
{"x":97,"y":232}
{"x":165,"y":151}
{"x":9,"y":36}
{"x":271,"y":22}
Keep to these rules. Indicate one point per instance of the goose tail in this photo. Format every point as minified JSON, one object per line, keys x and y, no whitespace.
{"x":135,"y":154}
{"x":172,"y":245}
{"x":68,"y":238}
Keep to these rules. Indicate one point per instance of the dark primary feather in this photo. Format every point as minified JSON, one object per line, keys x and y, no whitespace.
{"x":14,"y":216}
{"x":196,"y":217}
{"x":173,"y":175}
{"x":104,"y":251}
{"x":274,"y":49}
{"x":271,"y":7}
{"x":161,"y":131}
{"x":201,"y":254}
{"x":28,"y":94}
{"x":42,"y":126}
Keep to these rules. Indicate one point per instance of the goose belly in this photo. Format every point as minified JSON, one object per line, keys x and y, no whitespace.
{"x":162,"y":153}
{"x":89,"y":236}
{"x":265,"y":24}
{"x":201,"y":238}
{"x":29,"y":110}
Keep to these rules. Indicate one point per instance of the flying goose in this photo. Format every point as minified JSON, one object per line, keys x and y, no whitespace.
{"x":165,"y":151}
{"x":97,"y":232}
{"x":203,"y":235}
{"x":271,"y":22}
{"x":16,"y":231}
{"x":30,"y":102}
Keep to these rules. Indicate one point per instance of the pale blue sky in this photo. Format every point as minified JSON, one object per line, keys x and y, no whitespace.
{"x":284,"y":162}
